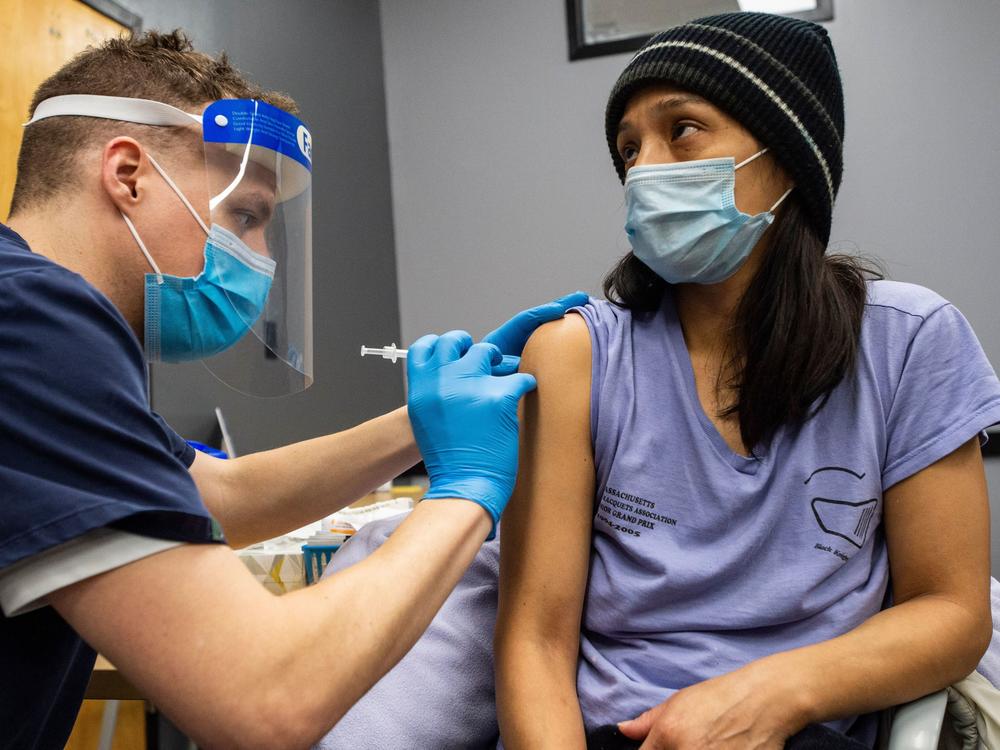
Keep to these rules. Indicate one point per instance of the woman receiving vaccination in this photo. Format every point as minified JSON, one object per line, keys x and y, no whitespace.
{"x":751,"y":508}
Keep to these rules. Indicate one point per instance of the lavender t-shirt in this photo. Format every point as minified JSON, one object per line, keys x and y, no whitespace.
{"x":704,"y":560}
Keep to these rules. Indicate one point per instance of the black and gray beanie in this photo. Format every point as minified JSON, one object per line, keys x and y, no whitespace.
{"x":776,"y":75}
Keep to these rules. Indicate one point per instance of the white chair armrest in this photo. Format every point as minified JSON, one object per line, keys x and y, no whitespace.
{"x":917,"y":725}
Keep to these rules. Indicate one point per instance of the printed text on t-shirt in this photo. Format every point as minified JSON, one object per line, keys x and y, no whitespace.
{"x":629,"y":513}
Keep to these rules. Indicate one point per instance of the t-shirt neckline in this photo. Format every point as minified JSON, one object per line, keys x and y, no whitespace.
{"x":8,"y":233}
{"x":679,"y":351}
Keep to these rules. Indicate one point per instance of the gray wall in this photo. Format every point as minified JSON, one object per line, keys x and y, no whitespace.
{"x":504,"y":192}
{"x":328,"y":56}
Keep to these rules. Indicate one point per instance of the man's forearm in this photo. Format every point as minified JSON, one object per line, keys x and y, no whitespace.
{"x":196,"y":634}
{"x":269,"y":493}
{"x":383,"y":603}
{"x":896,"y":656}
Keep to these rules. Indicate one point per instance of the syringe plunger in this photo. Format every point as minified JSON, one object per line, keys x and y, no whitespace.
{"x":390,"y":353}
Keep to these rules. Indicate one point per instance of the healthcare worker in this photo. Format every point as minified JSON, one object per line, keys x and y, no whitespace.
{"x":162,"y":204}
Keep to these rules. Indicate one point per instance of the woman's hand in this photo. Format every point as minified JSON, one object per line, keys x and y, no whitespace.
{"x":744,"y":710}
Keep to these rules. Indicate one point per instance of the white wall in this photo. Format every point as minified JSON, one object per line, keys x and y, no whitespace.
{"x":503,"y":189}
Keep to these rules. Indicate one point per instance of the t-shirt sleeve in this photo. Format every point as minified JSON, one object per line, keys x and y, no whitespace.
{"x":26,"y":585}
{"x":947,"y":394}
{"x":79,"y":447}
{"x":605,"y":323}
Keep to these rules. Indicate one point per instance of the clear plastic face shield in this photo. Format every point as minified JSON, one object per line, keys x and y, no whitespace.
{"x":258,"y":164}
{"x":258,"y":172}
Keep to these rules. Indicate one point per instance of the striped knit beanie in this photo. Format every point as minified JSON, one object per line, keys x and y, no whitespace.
{"x":776,"y":75}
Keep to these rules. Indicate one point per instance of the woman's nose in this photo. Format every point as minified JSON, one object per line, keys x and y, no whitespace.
{"x":653,"y":153}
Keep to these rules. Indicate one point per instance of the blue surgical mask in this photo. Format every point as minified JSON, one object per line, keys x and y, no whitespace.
{"x":683,"y":222}
{"x":193,"y":317}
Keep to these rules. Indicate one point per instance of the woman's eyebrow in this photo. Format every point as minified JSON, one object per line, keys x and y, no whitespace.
{"x":673,"y":102}
{"x":665,"y":105}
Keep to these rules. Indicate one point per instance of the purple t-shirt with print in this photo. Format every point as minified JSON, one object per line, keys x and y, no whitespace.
{"x":703,"y":559}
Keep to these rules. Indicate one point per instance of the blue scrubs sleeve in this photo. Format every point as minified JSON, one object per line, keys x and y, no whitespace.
{"x":79,"y":446}
{"x":178,"y":445}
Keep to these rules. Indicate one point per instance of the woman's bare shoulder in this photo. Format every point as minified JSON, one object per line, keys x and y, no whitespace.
{"x":558,"y":348}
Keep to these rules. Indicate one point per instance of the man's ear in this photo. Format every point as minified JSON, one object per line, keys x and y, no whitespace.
{"x":122,"y":165}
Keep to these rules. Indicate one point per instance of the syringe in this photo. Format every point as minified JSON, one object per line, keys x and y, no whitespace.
{"x":391,"y":353}
{"x":386,"y":352}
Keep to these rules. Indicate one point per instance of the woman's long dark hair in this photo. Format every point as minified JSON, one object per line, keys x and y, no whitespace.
{"x":795,"y":331}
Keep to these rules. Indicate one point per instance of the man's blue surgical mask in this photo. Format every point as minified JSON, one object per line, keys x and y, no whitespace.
{"x":683,"y":222}
{"x":195,"y":317}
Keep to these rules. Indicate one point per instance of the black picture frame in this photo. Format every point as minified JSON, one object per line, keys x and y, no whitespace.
{"x":116,"y":12}
{"x":580,"y":49}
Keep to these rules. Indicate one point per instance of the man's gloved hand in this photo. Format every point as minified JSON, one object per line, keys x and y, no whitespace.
{"x":465,"y":419}
{"x":511,"y":337}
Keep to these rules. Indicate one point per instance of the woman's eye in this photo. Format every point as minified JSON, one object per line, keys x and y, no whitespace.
{"x":682,"y":130}
{"x":629,"y":152}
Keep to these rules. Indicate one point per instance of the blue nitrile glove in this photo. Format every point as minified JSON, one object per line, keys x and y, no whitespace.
{"x":511,"y":337}
{"x":465,"y":419}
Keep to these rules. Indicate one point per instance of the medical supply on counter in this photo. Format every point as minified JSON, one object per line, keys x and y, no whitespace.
{"x":278,"y":565}
{"x":227,"y":439}
{"x":315,"y":558}
{"x":299,"y":557}
{"x":318,"y":551}
{"x":206,"y":449}
{"x":357,"y":517}
{"x":390,"y":352}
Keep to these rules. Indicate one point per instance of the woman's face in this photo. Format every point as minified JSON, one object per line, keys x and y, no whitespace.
{"x":663,"y":124}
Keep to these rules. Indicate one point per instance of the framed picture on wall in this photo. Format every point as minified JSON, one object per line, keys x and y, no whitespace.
{"x":608,"y":27}
{"x":117,"y":12}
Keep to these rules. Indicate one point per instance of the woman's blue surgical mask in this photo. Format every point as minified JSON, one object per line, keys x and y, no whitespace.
{"x":195,"y":317}
{"x":683,"y":222}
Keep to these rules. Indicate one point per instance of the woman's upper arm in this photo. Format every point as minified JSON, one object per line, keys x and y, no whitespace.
{"x":937,"y":525}
{"x":545,"y":535}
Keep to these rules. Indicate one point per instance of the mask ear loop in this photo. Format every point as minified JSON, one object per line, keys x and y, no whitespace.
{"x":142,"y":246}
{"x":751,"y":158}
{"x":755,"y":156}
{"x":781,"y":199}
{"x":184,"y":200}
{"x":187,"y":205}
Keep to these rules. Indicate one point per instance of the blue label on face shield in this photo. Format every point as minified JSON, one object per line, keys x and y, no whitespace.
{"x":243,"y":121}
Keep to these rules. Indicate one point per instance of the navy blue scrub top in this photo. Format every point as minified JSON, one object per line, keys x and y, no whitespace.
{"x":80,"y":449}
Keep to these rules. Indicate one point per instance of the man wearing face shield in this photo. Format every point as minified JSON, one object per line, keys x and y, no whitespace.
{"x":162,"y":211}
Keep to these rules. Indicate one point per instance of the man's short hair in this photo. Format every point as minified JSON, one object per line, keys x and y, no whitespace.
{"x":161,"y":66}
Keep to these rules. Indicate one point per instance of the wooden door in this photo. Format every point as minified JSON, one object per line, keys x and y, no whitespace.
{"x":37,"y":37}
